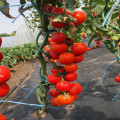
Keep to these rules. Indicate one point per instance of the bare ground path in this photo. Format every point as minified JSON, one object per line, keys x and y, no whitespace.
{"x":94,"y":103}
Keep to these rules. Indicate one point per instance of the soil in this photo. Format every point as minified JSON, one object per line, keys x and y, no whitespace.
{"x":18,"y":72}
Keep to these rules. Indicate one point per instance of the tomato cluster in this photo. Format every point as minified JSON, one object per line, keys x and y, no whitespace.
{"x":62,"y":76}
{"x":5,"y":75}
{"x":80,"y":16}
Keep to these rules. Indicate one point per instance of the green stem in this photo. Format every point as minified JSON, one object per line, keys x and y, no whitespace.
{"x":44,"y":24}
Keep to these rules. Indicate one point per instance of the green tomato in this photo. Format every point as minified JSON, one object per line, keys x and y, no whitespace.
{"x":110,"y":33}
{"x":118,"y":35}
{"x":114,"y":38}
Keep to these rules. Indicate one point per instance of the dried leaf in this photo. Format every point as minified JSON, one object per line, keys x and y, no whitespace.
{"x":5,"y":9}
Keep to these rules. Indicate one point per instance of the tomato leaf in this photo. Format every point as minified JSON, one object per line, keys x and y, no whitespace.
{"x":91,"y":39}
{"x":100,"y":28}
{"x":5,"y":8}
{"x":99,"y":2}
{"x":70,"y":4}
{"x":109,"y":45}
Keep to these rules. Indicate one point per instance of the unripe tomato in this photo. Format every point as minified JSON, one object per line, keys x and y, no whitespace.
{"x":117,"y":78}
{"x":58,"y":48}
{"x":71,"y":67}
{"x":63,"y":86}
{"x":79,"y":49}
{"x":2,"y":117}
{"x":62,"y":99}
{"x":78,"y":59}
{"x":4,"y":90}
{"x":75,"y":89}
{"x":1,"y":56}
{"x":53,"y":55}
{"x":114,"y":38}
{"x":66,"y":58}
{"x":5,"y":74}
{"x":53,"y":92}
{"x":0,"y":41}
{"x":80,"y":17}
{"x":53,"y":101}
{"x":53,"y":78}
{"x":71,"y":76}
{"x":58,"y":37}
{"x":57,"y":24}
{"x":110,"y":33}
{"x":56,"y":71}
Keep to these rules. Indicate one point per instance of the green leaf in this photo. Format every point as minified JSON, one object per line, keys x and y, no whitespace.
{"x":70,"y":4}
{"x":5,"y":9}
{"x":91,"y":39}
{"x":58,"y":18}
{"x":115,"y":14}
{"x":100,"y":28}
{"x":99,"y":2}
{"x":109,"y":45}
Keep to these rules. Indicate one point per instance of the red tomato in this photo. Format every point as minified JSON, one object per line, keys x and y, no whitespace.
{"x":117,"y":78}
{"x":49,"y":8}
{"x":79,"y":49}
{"x":1,"y":56}
{"x":56,"y":71}
{"x":57,"y":103}
{"x":75,"y":89}
{"x":95,"y":14}
{"x":66,"y":58}
{"x":57,"y":11}
{"x":58,"y":48}
{"x":53,"y":92}
{"x":80,"y":16}
{"x":58,"y":37}
{"x":62,"y":99}
{"x":2,"y":117}
{"x":57,"y":24}
{"x":71,"y":76}
{"x":53,"y":78}
{"x":5,"y":74}
{"x":69,"y":40}
{"x":63,"y":86}
{"x":47,"y":50}
{"x":78,"y":59}
{"x":4,"y":89}
{"x":0,"y":41}
{"x":88,"y":49}
{"x":71,"y":67}
{"x":75,"y":97}
{"x":53,"y":101}
{"x":53,"y":55}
